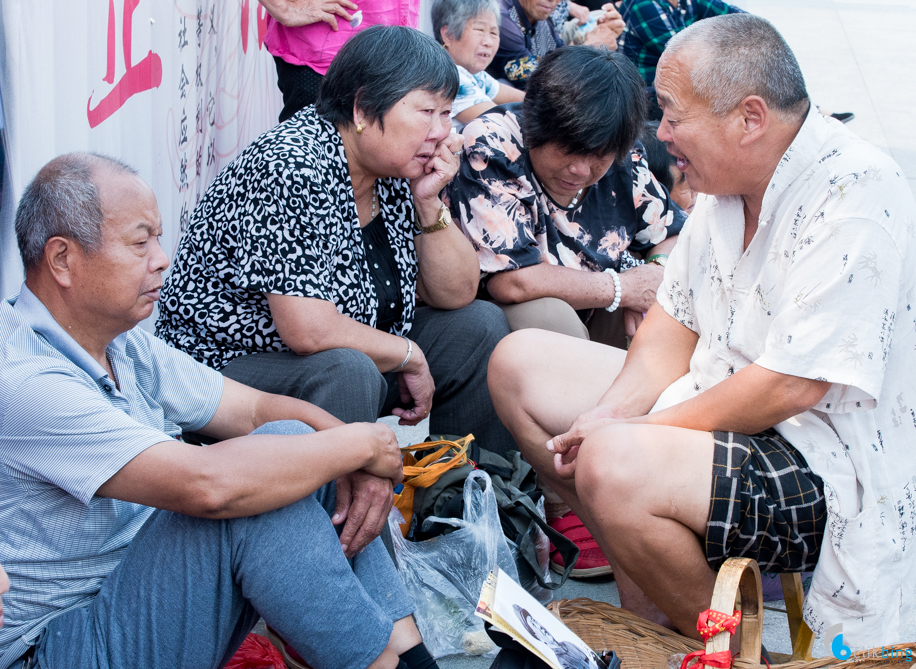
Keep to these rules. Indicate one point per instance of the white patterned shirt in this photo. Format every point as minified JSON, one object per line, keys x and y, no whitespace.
{"x":65,"y":429}
{"x":826,"y":290}
{"x":473,"y":89}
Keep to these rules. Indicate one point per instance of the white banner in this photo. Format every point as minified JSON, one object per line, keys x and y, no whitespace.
{"x":175,"y":89}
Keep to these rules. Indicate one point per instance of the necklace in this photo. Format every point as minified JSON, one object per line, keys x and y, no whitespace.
{"x":575,"y":199}
{"x":375,"y":199}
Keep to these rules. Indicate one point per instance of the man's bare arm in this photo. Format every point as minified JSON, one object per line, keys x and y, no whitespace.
{"x":749,"y":401}
{"x":659,"y":355}
{"x":249,"y":475}
{"x":243,"y":409}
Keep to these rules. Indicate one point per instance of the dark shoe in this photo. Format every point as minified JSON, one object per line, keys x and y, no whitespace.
{"x":843,"y":117}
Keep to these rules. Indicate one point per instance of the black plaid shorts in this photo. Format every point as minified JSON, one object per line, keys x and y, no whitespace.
{"x":766,"y":504}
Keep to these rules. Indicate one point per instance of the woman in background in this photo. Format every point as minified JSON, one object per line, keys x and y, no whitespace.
{"x":469,"y":31}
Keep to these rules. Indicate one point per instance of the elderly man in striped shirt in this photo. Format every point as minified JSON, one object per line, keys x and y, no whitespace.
{"x":126,"y":546}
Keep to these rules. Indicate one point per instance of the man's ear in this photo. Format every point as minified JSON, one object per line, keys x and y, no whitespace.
{"x":60,"y":254}
{"x":756,"y":116}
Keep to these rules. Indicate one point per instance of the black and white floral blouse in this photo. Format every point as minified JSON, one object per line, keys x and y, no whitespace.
{"x":513,"y":223}
{"x":281,"y":218}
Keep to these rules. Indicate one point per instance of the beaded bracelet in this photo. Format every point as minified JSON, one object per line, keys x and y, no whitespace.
{"x":616,"y":302}
{"x":407,"y":359}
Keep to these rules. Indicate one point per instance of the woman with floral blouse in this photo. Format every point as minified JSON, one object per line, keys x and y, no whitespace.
{"x":557,"y":198}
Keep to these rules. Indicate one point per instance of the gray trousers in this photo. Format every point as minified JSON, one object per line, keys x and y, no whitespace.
{"x":347,"y":384}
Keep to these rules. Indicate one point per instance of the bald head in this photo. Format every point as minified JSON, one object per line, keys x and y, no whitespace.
{"x":734,"y":56}
{"x":63,"y":200}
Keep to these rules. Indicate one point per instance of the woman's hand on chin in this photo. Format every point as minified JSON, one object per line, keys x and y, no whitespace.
{"x":442,"y":166}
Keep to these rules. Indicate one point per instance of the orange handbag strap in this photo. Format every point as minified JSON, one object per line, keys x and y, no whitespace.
{"x":426,"y":471}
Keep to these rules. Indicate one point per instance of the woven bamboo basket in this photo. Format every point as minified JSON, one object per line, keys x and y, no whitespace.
{"x":641,"y":644}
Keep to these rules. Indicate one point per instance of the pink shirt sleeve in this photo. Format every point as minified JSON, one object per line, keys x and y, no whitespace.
{"x":315,"y":45}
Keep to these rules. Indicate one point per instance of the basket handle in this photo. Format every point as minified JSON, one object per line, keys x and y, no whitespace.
{"x":739,"y":576}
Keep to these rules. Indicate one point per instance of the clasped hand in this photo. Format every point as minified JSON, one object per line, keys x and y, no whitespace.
{"x":565,"y":447}
{"x":365,"y":496}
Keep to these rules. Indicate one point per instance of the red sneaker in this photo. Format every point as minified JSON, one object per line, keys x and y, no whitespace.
{"x":591,"y":560}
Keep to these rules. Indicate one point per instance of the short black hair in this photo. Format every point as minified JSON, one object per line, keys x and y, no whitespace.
{"x":657,"y":156}
{"x":379,"y":66}
{"x":588,"y":100}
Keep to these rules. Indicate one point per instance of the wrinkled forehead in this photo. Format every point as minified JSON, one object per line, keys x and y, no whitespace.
{"x":673,"y":86}
{"x":127,"y":201}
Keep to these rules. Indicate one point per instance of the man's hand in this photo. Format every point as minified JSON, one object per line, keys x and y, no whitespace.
{"x":292,"y":13}
{"x":579,"y":13}
{"x":386,"y":461}
{"x":612,"y":19}
{"x":565,"y":447}
{"x":609,"y":27}
{"x":363,"y":502}
{"x":639,"y":285}
{"x":364,"y":496}
{"x":416,"y":385}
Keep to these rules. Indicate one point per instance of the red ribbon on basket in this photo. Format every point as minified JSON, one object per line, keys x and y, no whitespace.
{"x":720,"y":660}
{"x":709,"y":624}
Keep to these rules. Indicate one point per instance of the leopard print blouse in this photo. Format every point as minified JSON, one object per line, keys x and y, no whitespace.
{"x":281,"y":218}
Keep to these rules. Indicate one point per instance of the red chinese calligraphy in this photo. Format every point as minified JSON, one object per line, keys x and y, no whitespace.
{"x":144,"y":76}
{"x":261,"y":14}
{"x":245,"y":14}
{"x":262,"y":25}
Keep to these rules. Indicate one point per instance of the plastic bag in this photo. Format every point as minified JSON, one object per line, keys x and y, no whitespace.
{"x":542,"y":548}
{"x":444,"y":574}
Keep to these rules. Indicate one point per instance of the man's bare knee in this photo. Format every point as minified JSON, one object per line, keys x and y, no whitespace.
{"x":511,"y":359}
{"x":610,"y":475}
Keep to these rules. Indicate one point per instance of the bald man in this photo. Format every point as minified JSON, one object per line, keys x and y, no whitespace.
{"x":766,"y":407}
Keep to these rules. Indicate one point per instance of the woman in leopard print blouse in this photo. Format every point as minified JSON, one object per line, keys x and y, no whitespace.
{"x":302,"y":265}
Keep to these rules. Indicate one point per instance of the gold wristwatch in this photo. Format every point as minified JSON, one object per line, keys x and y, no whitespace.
{"x":445,"y":220}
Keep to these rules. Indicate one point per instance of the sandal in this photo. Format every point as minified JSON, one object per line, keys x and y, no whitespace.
{"x":290,"y":656}
{"x":591,"y":560}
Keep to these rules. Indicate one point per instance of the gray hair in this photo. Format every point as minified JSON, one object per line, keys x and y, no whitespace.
{"x":63,"y":201}
{"x":454,"y":14}
{"x":737,"y":55}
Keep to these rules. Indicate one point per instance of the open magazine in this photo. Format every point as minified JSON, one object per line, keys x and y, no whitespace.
{"x":509,"y":608}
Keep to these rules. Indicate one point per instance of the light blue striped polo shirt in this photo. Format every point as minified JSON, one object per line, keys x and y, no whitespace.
{"x":65,"y":429}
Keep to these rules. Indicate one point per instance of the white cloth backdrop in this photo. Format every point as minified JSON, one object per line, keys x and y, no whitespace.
{"x":174,"y":88}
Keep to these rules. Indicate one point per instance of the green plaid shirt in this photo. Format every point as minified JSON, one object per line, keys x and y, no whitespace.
{"x":651,"y":23}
